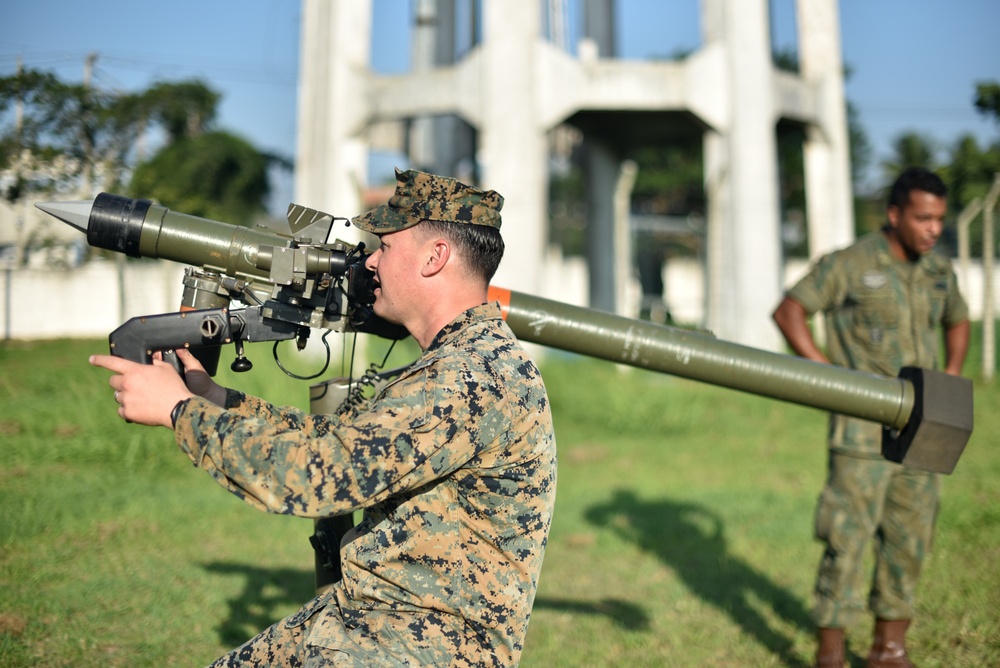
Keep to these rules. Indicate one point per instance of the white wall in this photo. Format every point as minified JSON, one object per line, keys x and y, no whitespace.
{"x":86,"y":302}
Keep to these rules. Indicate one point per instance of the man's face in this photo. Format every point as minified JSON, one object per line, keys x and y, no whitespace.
{"x":396,"y":264}
{"x":919,"y":223}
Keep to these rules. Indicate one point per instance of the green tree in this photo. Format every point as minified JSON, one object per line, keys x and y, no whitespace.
{"x":200,"y":170}
{"x":969,"y":174}
{"x":988,"y":99}
{"x":861,"y":149}
{"x":670,"y":179}
{"x":183,"y":109}
{"x":214,"y":175}
{"x":58,"y":136}
{"x":910,"y":149}
{"x":970,"y":170}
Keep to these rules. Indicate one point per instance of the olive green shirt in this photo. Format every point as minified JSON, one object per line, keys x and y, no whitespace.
{"x":881,"y":314}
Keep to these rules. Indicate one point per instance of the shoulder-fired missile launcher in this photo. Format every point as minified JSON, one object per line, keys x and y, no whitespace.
{"x":294,"y":282}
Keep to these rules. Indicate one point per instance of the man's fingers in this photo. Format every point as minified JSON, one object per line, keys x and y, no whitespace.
{"x":120,"y":365}
{"x":112,"y":363}
{"x":189,"y":361}
{"x":160,"y":362}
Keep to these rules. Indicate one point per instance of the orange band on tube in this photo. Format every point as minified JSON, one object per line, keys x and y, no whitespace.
{"x":502,"y":295}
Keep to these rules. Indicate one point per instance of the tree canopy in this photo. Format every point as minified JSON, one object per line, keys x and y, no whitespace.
{"x":63,"y":136}
{"x":988,"y":99}
{"x":967,"y":167}
{"x":214,"y":175}
{"x":59,"y":137}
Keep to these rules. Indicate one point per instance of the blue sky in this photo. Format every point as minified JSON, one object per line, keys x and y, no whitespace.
{"x":914,"y":63}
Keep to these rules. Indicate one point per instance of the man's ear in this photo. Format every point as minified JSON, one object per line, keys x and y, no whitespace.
{"x":892,"y":213}
{"x":439,"y":254}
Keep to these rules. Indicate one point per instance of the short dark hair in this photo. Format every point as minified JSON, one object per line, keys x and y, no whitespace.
{"x":481,"y":245}
{"x":915,"y":178}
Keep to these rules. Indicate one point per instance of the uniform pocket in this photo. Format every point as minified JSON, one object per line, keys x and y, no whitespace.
{"x":877,"y":310}
{"x":938,"y":296}
{"x":876,"y":319}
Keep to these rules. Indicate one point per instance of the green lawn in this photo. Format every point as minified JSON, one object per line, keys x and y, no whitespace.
{"x":682,"y":534}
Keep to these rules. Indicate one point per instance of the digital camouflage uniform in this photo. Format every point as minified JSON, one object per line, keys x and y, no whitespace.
{"x":881,"y":314}
{"x":454,"y":466}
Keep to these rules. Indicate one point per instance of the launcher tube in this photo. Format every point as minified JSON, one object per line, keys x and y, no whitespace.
{"x":700,"y":356}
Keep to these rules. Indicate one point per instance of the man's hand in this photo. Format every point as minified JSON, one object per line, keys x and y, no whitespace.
{"x":198,"y":380}
{"x":790,"y":317}
{"x":146,"y":393}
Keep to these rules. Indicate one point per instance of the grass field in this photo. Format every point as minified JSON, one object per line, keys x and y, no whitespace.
{"x":682,"y":534}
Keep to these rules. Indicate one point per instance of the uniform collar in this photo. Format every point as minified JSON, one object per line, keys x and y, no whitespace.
{"x":886,"y":258}
{"x":468,"y":318}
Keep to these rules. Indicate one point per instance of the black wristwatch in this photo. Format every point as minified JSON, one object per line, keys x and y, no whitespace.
{"x":175,"y":412}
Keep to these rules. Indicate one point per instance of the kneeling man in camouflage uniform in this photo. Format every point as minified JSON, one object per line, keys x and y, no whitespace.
{"x":453,"y":463}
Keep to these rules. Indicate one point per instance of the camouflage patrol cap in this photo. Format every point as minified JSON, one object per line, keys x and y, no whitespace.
{"x":421,"y":196}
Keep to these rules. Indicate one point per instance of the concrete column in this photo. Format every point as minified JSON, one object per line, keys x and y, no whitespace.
{"x":512,"y":148}
{"x":438,"y":144}
{"x":509,"y":85}
{"x":331,"y":160}
{"x":712,"y":20}
{"x":599,"y":25}
{"x":427,"y":49}
{"x":829,"y":201}
{"x":720,"y":252}
{"x":719,"y":256}
{"x":741,"y":167}
{"x":628,"y":170}
{"x":601,"y":174}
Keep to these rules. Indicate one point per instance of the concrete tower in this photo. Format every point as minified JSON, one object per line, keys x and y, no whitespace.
{"x":492,"y":109}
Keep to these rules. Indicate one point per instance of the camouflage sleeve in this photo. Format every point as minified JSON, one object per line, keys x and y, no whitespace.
{"x":289,"y":462}
{"x":821,"y":287}
{"x":247,"y":406}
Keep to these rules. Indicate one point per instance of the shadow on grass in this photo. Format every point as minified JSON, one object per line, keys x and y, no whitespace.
{"x":621,"y":613}
{"x":265,"y":591}
{"x":691,"y":540}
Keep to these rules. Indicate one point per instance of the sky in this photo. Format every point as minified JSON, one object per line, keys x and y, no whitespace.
{"x":914,"y":63}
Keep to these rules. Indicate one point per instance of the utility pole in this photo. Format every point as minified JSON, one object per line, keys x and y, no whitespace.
{"x":88,"y":178}
{"x":88,"y":146}
{"x":19,"y":105}
{"x":88,"y":68}
{"x":19,"y":250}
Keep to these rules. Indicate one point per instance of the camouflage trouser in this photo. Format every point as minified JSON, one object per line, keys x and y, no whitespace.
{"x":285,"y":645}
{"x":865,"y":499}
{"x":317,"y":637}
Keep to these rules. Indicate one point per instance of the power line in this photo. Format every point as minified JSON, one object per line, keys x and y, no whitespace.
{"x":153,"y":65}
{"x":918,"y":110}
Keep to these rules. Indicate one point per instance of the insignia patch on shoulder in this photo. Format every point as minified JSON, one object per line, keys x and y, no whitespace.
{"x":873,"y":280}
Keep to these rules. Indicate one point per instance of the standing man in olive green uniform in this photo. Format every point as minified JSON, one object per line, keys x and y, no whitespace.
{"x":883,"y":299}
{"x":453,"y":463}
